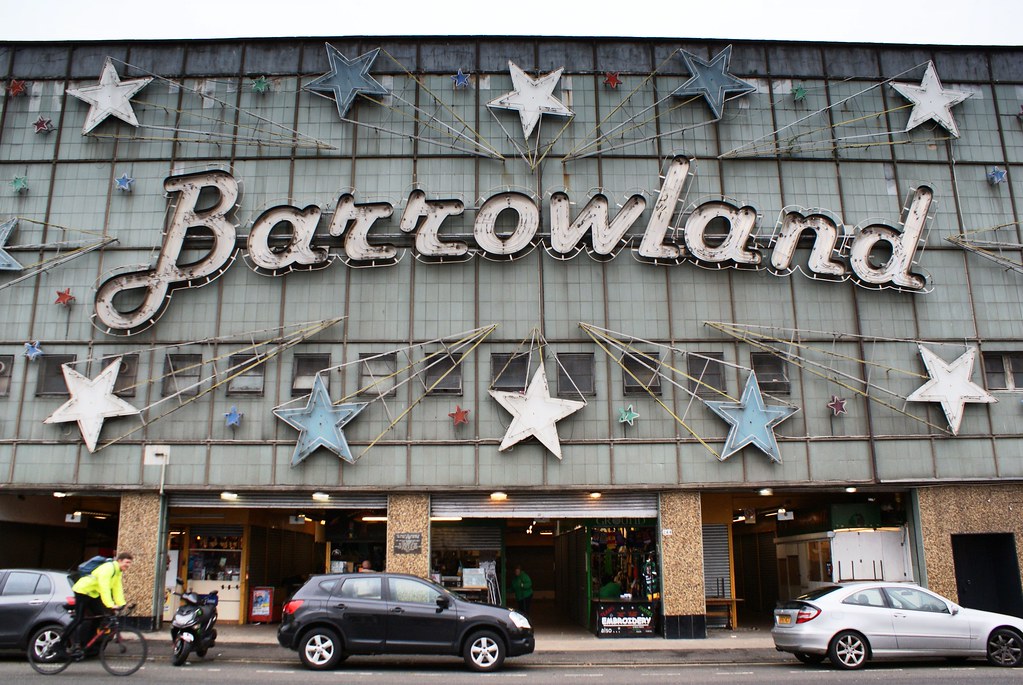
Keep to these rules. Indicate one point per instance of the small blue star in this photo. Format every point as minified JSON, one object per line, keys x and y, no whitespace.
{"x":320,"y":423}
{"x":33,"y":351}
{"x":996,"y":176}
{"x":752,"y":422}
{"x":7,"y":262}
{"x":347,"y":78}
{"x":627,"y":415}
{"x":125,"y":183}
{"x":712,"y":80}
{"x":234,"y":417}
{"x":461,"y":79}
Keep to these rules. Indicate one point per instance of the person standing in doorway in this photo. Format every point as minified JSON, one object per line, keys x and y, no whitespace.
{"x":522,"y":587}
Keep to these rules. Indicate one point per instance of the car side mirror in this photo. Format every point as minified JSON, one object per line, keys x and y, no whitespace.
{"x":443,"y":603}
{"x":954,"y":609}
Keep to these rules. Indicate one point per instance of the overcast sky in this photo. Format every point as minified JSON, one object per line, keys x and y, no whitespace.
{"x":951,"y":22}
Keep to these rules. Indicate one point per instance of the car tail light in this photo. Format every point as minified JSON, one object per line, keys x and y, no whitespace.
{"x":70,"y":600}
{"x":807,"y":613}
{"x":292,"y":606}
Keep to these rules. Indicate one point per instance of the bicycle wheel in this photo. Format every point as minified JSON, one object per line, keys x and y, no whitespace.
{"x":123,"y":652}
{"x":45,"y":658}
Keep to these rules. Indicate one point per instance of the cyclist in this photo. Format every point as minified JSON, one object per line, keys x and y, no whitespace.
{"x":96,"y":594}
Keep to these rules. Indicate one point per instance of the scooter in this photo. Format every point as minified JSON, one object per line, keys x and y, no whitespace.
{"x":194,"y":625}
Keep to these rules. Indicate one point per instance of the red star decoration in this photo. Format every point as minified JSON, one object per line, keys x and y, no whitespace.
{"x":836,"y":405}
{"x":65,"y":297}
{"x":43,"y":124}
{"x":611,"y":79}
{"x":15,"y":87}
{"x":459,"y":415}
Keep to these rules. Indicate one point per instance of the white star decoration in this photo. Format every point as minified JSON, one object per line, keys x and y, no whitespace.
{"x":931,"y":102}
{"x":531,"y":97}
{"x":111,"y":96}
{"x":535,"y":413}
{"x":91,"y":402}
{"x":950,"y":385}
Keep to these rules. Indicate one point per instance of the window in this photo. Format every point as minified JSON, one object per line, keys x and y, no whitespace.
{"x":377,"y":374}
{"x":6,"y":369}
{"x":437,"y":366}
{"x":575,"y":374}
{"x":640,"y":374}
{"x":305,"y":370}
{"x":871,"y":597}
{"x":412,"y":591}
{"x":51,"y":374}
{"x":819,"y":560}
{"x":771,"y":374}
{"x":21,"y":583}
{"x":361,"y":588}
{"x":181,"y":374}
{"x":248,"y":381}
{"x":509,"y":371}
{"x":1003,"y":371}
{"x":124,"y":386}
{"x":915,"y":600}
{"x":706,"y":373}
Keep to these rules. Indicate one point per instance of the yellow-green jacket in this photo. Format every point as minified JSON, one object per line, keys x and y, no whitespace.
{"x":104,"y":582}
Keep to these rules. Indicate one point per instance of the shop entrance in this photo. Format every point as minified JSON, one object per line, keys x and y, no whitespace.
{"x":56,"y":531}
{"x":987,"y":572}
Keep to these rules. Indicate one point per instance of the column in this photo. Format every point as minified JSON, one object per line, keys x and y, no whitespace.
{"x":138,"y":532}
{"x":408,"y":534}
{"x":682,"y":592}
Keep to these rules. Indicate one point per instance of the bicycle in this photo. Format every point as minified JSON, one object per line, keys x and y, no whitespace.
{"x":122,"y":650}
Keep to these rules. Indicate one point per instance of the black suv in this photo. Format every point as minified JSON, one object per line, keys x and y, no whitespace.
{"x":32,"y":607}
{"x":333,"y":616}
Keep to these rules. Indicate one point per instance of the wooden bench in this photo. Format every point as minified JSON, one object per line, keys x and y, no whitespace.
{"x":724,"y":607}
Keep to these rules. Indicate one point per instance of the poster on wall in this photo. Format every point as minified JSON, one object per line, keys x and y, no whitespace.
{"x":408,"y":543}
{"x":261,"y":604}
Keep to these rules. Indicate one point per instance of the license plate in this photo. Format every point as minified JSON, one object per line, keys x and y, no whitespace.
{"x":784,"y":620}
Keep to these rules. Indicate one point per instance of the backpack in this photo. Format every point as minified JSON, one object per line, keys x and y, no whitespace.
{"x":87,"y":567}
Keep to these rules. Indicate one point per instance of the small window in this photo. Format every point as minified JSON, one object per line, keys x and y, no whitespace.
{"x":871,"y":597}
{"x":6,"y":369}
{"x":437,"y":367}
{"x":361,"y":588}
{"x":305,"y":369}
{"x":640,"y":374}
{"x":706,"y":373}
{"x":412,"y":591}
{"x":575,"y":374}
{"x":124,"y":386}
{"x":377,"y":377}
{"x":1003,"y":371}
{"x":20,"y":583}
{"x":51,"y":374}
{"x":249,"y":380}
{"x":509,"y":372}
{"x":182,"y":374}
{"x":772,"y":376}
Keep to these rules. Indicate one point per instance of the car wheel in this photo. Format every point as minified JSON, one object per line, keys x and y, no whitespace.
{"x":43,"y":638}
{"x":848,"y":650}
{"x":1005,"y":648}
{"x":809,"y":658}
{"x":320,"y":649}
{"x":484,"y":652}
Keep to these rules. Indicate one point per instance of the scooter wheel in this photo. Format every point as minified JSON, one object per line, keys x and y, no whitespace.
{"x":200,"y":652}
{"x":181,"y":649}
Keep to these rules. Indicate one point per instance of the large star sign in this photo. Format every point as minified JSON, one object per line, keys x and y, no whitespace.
{"x":347,"y":78}
{"x":931,"y":102}
{"x":7,"y":262}
{"x":712,"y":80}
{"x":92,"y":401}
{"x":531,"y":97}
{"x":319,"y":424}
{"x":950,"y":385}
{"x":111,"y":97}
{"x":752,"y":422}
{"x":535,"y":413}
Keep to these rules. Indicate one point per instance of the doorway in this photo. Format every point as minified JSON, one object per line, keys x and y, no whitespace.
{"x":987,"y":572}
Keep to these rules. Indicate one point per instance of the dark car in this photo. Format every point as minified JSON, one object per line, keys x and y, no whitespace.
{"x":333,"y":616}
{"x":32,"y":607}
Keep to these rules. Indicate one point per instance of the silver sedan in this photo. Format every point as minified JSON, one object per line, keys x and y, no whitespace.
{"x":853,"y":622}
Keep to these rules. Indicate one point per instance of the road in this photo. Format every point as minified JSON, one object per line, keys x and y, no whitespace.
{"x":391,"y":671}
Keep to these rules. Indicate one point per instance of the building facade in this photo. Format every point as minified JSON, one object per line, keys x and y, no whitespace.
{"x":714,"y":322}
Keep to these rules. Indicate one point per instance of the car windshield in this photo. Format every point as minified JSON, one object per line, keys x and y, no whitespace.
{"x":817,"y":593}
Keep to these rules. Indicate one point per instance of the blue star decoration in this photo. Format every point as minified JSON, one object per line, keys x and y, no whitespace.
{"x":627,"y":415}
{"x":996,"y":176}
{"x":124,"y":183}
{"x":347,"y":78}
{"x":712,"y":80}
{"x":33,"y":351}
{"x":7,"y":262}
{"x":752,"y":422}
{"x":461,"y":80}
{"x":234,"y":417}
{"x":319,"y":424}
{"x":20,"y":184}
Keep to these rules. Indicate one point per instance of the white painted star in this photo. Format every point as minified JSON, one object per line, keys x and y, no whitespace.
{"x":111,"y":97}
{"x":531,"y":97}
{"x":91,"y":402}
{"x":535,"y":413}
{"x":931,"y":102}
{"x":950,"y":385}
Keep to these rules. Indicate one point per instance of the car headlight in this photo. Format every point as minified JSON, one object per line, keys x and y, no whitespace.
{"x":519,"y":620}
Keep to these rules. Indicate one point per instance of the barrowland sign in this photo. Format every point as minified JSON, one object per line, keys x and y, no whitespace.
{"x":714,"y":234}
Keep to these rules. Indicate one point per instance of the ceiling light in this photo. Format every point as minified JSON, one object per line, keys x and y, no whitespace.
{"x":321,"y":496}
{"x":498,"y":496}
{"x":230,"y":496}
{"x":766,"y":492}
{"x":60,"y":494}
{"x":374,"y":519}
{"x":323,"y":522}
{"x":850,"y":489}
{"x":594,"y":495}
{"x":445,"y":518}
{"x":546,"y":532}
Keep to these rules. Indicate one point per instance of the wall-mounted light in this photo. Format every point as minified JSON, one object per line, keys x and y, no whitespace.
{"x":765,"y":492}
{"x":498,"y":496}
{"x":60,"y":494}
{"x":850,"y":489}
{"x":594,"y":495}
{"x":321,"y":497}
{"x":229,"y":496}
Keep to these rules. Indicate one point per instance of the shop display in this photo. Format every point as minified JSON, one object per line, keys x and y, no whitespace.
{"x":625,"y":587}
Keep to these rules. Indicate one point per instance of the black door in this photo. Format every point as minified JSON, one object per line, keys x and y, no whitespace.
{"x":415,"y":623}
{"x":359,"y":610}
{"x":987,"y":572}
